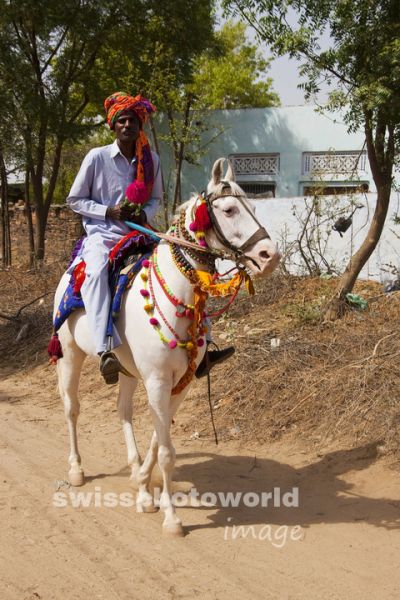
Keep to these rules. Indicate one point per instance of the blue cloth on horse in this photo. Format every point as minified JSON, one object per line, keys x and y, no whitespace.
{"x":140,"y":245}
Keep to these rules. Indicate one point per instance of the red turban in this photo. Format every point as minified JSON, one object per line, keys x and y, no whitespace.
{"x":120,"y":101}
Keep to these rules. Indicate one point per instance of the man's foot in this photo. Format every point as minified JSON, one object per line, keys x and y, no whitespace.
{"x":110,"y":367}
{"x":212,"y":358}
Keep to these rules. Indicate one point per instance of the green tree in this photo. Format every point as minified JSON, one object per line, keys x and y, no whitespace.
{"x":48,"y":54}
{"x":232,"y":74}
{"x":223,"y":75}
{"x":176,"y":34}
{"x":59,"y":61}
{"x":362,"y":66}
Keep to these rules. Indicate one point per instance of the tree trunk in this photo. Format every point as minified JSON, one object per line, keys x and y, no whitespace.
{"x":337,"y":305}
{"x":5,"y":217}
{"x":179,"y":154}
{"x":42,"y":205}
{"x":28,"y":214}
{"x":164,"y":192}
{"x":40,"y":228}
{"x":381,"y":154}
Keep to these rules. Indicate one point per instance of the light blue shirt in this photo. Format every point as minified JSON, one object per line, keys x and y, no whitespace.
{"x":101,"y":181}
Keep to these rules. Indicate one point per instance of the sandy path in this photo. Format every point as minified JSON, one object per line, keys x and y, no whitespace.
{"x":349,"y":514}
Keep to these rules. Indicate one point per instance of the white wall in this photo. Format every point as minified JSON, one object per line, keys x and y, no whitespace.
{"x":276,"y":214}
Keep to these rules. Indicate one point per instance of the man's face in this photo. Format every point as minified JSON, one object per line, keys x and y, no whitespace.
{"x":127,"y":127}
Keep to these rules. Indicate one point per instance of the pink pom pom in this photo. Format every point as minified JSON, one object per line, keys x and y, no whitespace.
{"x":200,"y":342}
{"x":145,"y":293}
{"x":146,"y":263}
{"x":202,"y":243}
{"x":153,"y":321}
{"x":172,"y":344}
{"x":192,"y":226}
{"x":189,"y":313}
{"x":136,"y":192}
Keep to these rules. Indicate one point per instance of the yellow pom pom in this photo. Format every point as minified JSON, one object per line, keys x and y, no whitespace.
{"x":189,"y":346}
{"x":148,"y":307}
{"x":144,"y":276}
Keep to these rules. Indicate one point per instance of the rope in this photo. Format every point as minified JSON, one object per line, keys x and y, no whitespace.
{"x":209,"y":399}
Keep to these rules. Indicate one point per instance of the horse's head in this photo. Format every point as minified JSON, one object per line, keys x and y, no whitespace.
{"x":235,"y":226}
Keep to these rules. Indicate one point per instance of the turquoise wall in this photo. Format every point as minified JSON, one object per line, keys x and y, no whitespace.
{"x":289,"y":131}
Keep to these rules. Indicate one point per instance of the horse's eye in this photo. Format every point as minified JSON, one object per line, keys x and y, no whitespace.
{"x":229,"y":211}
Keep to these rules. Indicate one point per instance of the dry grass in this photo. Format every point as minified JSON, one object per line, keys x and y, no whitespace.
{"x":326,"y":382}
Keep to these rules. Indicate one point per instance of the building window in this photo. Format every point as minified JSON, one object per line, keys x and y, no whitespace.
{"x":255,"y":164}
{"x":258,"y":189}
{"x":322,"y":163}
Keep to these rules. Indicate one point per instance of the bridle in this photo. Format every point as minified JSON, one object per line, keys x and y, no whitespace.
{"x":260,"y":234}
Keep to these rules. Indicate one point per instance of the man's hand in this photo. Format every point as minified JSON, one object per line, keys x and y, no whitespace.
{"x":114,"y":213}
{"x":125,"y":213}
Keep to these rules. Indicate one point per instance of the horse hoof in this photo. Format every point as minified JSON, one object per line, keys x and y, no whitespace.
{"x":173,"y":530}
{"x":76,"y":478}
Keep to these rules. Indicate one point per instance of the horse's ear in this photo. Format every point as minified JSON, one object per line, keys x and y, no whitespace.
{"x":216,"y":174}
{"x":229,"y":175}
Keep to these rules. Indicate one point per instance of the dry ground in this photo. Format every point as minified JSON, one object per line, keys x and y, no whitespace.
{"x":349,"y":512}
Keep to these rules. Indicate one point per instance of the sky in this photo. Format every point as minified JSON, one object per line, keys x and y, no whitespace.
{"x":284,"y":71}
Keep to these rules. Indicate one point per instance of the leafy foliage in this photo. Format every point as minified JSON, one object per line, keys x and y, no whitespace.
{"x":362,"y":66}
{"x":232,"y":75}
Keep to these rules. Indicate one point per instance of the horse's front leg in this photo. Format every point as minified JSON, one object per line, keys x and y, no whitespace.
{"x":161,"y":407}
{"x":127,"y":386}
{"x":69,"y":369}
{"x":145,"y":500}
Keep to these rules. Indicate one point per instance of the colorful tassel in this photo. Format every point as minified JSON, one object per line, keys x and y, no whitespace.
{"x":54,"y":349}
{"x":202,"y":218}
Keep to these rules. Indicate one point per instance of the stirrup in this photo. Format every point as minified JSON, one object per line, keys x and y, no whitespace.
{"x":212,"y":358}
{"x":110,"y":367}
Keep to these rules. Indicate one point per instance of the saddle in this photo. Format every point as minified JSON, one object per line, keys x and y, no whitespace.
{"x":125,"y":261}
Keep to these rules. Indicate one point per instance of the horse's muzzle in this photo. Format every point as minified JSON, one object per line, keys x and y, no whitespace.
{"x":263,"y":258}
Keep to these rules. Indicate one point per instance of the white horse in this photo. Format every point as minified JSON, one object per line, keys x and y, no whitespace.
{"x":143,"y":354}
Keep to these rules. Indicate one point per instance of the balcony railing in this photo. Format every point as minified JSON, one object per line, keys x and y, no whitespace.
{"x":255,"y":164}
{"x":322,"y":163}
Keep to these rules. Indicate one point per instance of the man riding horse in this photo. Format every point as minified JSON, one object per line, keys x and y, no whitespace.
{"x":98,"y":194}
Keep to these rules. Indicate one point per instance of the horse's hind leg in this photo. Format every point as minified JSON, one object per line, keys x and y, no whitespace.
{"x":69,"y":370}
{"x":127,"y":386}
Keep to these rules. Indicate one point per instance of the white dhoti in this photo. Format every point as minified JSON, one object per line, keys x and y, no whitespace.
{"x":95,"y":290}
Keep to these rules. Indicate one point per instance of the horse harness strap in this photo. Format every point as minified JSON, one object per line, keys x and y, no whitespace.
{"x":260,"y":234}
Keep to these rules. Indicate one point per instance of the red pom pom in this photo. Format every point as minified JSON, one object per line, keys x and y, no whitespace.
{"x":54,"y":349}
{"x":136,"y":192}
{"x":202,"y":218}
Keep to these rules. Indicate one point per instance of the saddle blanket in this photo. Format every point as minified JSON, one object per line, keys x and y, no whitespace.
{"x":135,"y":247}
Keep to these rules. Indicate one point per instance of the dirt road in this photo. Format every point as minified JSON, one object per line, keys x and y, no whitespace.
{"x":342,"y":541}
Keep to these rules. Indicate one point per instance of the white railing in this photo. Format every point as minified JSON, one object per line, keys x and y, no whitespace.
{"x":346,"y":162}
{"x":255,"y":164}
